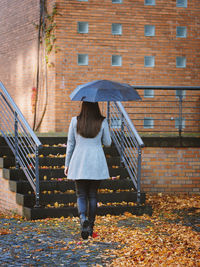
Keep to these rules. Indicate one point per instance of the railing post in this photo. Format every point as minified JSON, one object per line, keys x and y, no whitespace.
{"x":180,"y":95}
{"x":122,"y":140}
{"x":37,"y":193}
{"x":16,"y":141}
{"x":139,"y":176}
{"x":108,"y":112}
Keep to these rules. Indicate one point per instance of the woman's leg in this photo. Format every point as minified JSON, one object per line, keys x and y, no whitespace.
{"x":81,"y":193}
{"x":92,"y":197}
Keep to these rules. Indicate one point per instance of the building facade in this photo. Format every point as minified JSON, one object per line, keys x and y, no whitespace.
{"x":143,"y":42}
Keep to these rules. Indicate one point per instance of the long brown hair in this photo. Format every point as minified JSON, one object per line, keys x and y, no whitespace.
{"x":89,"y":120}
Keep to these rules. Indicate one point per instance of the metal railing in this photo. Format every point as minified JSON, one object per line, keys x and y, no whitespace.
{"x":21,"y":139}
{"x":166,"y":110}
{"x":127,"y":141}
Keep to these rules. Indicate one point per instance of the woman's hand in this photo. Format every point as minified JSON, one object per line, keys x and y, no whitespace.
{"x":66,"y":171}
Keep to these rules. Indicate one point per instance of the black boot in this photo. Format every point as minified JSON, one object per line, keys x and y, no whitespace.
{"x":84,"y":226}
{"x":91,"y":226}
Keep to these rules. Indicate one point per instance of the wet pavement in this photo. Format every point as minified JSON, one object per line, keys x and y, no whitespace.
{"x":49,"y":243}
{"x":57,"y":242}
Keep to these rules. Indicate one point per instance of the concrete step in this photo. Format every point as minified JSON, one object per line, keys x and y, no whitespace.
{"x":54,"y":150}
{"x":41,"y":213}
{"x":28,"y":200}
{"x":58,"y":173}
{"x":115,"y":196}
{"x":24,"y":187}
{"x":57,"y":161}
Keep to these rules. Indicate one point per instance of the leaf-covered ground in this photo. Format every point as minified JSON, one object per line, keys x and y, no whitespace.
{"x":170,"y":237}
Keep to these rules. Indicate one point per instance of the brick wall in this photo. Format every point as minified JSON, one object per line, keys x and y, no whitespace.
{"x":18,"y":48}
{"x":132,"y":45}
{"x":171,"y":169}
{"x":18,"y":59}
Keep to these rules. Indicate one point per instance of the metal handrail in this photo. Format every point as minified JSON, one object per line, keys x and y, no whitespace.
{"x":160,"y":87}
{"x":127,"y":141}
{"x":126,"y":117}
{"x":21,"y":139}
{"x":179,"y":111}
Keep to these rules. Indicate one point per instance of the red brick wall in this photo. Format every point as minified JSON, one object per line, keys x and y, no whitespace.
{"x":18,"y":59}
{"x":132,"y":45}
{"x":18,"y":47}
{"x":170,"y":170}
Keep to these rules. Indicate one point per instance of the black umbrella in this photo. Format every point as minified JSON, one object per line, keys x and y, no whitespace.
{"x":104,"y":90}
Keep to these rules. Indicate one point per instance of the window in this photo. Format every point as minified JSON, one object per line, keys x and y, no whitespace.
{"x":82,"y":27}
{"x":82,"y":59}
{"x":116,"y":60}
{"x":116,"y":1}
{"x":116,"y":29}
{"x":115,"y":123}
{"x":181,"y":3}
{"x":149,"y":2}
{"x":149,"y":61}
{"x":178,"y":122}
{"x":180,"y":93}
{"x":149,"y":30}
{"x":148,"y":123}
{"x":180,"y":62}
{"x":148,"y":93}
{"x":181,"y":31}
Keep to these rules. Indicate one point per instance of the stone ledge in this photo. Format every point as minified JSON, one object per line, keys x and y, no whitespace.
{"x":171,"y":141}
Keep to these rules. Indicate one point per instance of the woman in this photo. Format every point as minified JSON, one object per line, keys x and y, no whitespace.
{"x":85,"y":161}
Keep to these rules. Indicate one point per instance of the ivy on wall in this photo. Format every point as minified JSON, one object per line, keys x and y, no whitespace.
{"x":46,"y":39}
{"x":49,"y":30}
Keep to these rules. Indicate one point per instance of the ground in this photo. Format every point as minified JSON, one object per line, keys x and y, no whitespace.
{"x":170,"y":237}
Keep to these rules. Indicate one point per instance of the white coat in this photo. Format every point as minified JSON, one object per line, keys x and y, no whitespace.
{"x":85,"y":157}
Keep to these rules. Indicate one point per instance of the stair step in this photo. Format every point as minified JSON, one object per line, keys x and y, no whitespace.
{"x":28,"y":200}
{"x":41,"y":213}
{"x":57,"y":159}
{"x":50,"y":141}
{"x":8,"y":162}
{"x":53,"y":140}
{"x":49,"y":174}
{"x":47,"y":161}
{"x":54,"y":150}
{"x":58,"y":197}
{"x":23,"y":187}
{"x":6,"y":151}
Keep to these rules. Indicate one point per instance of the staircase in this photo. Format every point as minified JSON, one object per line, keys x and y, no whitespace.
{"x":36,"y":167}
{"x":57,"y":194}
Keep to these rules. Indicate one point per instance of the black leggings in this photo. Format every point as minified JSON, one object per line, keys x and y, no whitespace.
{"x":86,"y":192}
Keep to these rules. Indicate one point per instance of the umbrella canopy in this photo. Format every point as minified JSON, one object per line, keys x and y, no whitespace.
{"x":104,"y":90}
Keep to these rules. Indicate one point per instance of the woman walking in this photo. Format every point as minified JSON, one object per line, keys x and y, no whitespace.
{"x":85,"y":161}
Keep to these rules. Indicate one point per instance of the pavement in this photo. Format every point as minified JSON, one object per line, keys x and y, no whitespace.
{"x":50,"y":242}
{"x":57,"y":242}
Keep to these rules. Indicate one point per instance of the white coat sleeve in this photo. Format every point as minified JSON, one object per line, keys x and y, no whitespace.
{"x":106,"y":138}
{"x":71,"y":142}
